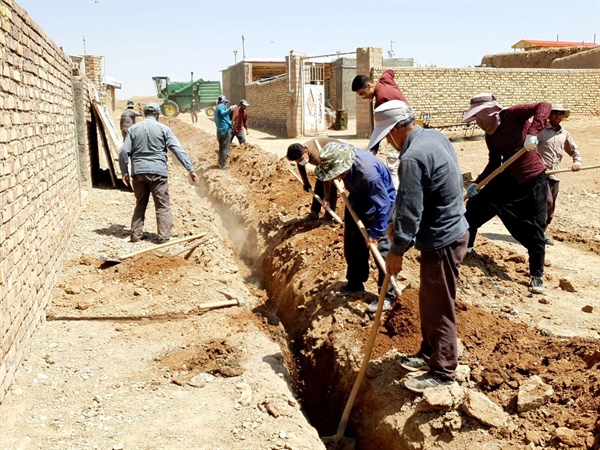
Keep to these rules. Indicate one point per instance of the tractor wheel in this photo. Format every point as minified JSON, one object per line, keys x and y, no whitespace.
{"x":210,"y":111}
{"x":170,"y":109}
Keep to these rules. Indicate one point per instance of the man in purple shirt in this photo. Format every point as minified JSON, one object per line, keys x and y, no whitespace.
{"x":372,"y":196}
{"x":517,"y":195}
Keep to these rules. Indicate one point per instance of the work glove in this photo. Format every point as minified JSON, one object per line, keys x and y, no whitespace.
{"x":307,"y":187}
{"x":531,"y":142}
{"x":472,"y":190}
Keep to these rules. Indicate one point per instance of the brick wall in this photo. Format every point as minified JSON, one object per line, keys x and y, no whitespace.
{"x":39,"y":185}
{"x":268,"y":105}
{"x":445,"y":93}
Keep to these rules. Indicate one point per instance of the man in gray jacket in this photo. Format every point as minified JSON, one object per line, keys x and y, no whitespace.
{"x":430,"y":214}
{"x":146,"y":146}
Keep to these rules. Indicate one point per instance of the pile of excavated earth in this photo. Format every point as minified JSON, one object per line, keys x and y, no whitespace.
{"x":129,"y":359}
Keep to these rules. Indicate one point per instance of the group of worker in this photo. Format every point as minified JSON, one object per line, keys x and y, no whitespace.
{"x":418,"y":203}
{"x":424,"y":207}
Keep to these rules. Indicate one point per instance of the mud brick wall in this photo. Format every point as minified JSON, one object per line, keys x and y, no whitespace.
{"x":39,"y":184}
{"x":268,"y":105}
{"x":445,"y":93}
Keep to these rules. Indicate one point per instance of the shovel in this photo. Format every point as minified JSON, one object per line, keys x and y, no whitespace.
{"x":552,"y":172}
{"x":498,"y":170}
{"x":335,"y":441}
{"x":328,"y":209}
{"x":112,"y":261}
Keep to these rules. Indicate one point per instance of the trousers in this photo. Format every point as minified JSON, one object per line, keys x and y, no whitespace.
{"x":437,"y":296}
{"x":143,"y":185}
{"x":522,"y":209}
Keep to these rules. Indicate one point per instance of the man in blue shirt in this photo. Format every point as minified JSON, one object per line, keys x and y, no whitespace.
{"x":146,"y":145}
{"x":429,"y":214}
{"x":372,"y":196}
{"x":224,"y":127}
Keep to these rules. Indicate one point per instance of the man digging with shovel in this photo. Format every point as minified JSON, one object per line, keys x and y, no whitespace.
{"x":429,"y":214}
{"x":518,"y":194}
{"x":372,"y":196}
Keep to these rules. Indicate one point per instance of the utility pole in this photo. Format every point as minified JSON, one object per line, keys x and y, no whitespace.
{"x":235,"y":56}
{"x":391,"y":52}
{"x":243,"y":48}
{"x":84,"y":52}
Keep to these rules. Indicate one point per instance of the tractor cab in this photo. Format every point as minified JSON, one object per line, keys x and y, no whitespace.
{"x":161,"y":84}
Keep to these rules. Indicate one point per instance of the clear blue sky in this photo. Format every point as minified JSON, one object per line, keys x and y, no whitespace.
{"x":143,"y":38}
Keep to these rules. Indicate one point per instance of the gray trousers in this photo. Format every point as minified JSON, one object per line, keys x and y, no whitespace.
{"x":437,"y":295}
{"x":224,"y":138}
{"x":143,"y":185}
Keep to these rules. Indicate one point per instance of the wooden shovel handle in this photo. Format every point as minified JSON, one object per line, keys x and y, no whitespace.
{"x":552,"y":172}
{"x":166,"y":244}
{"x":328,"y":209}
{"x":365,"y":362}
{"x":498,"y":170}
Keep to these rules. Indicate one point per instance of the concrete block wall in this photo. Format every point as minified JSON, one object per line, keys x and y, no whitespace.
{"x":268,"y":105}
{"x":39,"y":184}
{"x":445,"y":93}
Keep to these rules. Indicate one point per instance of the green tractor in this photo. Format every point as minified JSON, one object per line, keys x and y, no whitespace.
{"x":177,"y":96}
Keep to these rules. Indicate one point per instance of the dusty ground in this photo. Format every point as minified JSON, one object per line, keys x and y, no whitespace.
{"x":149,"y":371}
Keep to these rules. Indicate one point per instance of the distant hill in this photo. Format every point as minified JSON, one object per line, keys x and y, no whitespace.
{"x":122,"y":103}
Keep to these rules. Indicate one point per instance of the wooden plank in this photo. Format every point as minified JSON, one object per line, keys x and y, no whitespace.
{"x":110,"y":131}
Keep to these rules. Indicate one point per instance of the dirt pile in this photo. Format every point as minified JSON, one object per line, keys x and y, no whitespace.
{"x":302,"y":265}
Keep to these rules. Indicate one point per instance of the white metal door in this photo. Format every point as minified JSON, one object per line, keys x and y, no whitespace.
{"x":313,"y":96}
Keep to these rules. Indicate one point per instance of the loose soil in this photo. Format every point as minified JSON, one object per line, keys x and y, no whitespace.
{"x":132,"y":363}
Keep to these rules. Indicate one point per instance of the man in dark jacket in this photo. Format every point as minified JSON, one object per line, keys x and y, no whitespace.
{"x":128,"y":118}
{"x":429,"y":214}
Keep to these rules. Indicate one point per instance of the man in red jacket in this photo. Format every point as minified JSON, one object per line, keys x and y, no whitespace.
{"x":517,"y":195}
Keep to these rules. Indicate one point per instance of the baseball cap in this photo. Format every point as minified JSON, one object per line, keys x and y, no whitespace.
{"x":130,"y":103}
{"x":336,"y":158}
{"x":222,"y":99}
{"x":244,"y":102}
{"x":152,"y":107}
{"x":479,"y":103}
{"x":386,"y":116}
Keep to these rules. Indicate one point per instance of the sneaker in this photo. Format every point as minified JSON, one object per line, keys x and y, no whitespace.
{"x":426,"y":381}
{"x":469,"y":250}
{"x":537,"y":285}
{"x":135,"y":239}
{"x":348,"y":291}
{"x":413,"y":363}
{"x":163,"y":240}
{"x":548,"y":240}
{"x":372,"y":308}
{"x":224,"y":167}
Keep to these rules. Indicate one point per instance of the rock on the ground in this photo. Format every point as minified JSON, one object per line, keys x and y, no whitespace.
{"x":566,"y":285}
{"x":588,"y":308}
{"x":442,"y":398}
{"x":533,"y":393}
{"x":567,"y":436}
{"x":481,"y":408}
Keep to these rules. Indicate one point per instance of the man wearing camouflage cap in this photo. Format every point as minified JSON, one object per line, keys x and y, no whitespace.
{"x":371,"y":195}
{"x":146,"y":146}
{"x":430,"y":214}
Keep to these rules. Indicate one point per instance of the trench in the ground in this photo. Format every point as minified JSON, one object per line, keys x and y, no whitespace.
{"x":314,"y":378}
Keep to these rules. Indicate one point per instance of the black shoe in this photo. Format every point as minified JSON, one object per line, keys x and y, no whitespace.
{"x":537,"y":285}
{"x":163,"y":240}
{"x":349,"y":290}
{"x":413,"y":363}
{"x":426,"y":381}
{"x":548,"y":240}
